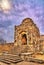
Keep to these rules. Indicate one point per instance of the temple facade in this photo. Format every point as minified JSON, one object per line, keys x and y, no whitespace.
{"x":26,"y":33}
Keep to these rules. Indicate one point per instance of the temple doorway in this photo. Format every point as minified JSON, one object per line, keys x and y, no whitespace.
{"x":24,"y":39}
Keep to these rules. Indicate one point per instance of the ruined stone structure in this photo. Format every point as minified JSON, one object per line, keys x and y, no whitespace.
{"x":27,"y":38}
{"x":26,"y":33}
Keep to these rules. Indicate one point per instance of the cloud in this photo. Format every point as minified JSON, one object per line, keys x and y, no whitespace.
{"x":21,"y":9}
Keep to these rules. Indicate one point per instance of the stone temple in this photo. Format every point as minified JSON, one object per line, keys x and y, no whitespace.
{"x":27,"y":32}
{"x":26,"y":38}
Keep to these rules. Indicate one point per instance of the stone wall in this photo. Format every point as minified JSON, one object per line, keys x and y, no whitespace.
{"x":23,"y":49}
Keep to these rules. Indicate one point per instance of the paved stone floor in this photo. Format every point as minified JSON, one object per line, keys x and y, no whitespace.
{"x":28,"y":63}
{"x":9,"y":56}
{"x":22,"y":63}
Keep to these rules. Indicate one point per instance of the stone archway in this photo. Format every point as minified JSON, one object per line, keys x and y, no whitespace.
{"x":24,"y":39}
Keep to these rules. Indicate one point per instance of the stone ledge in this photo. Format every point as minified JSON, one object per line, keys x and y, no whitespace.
{"x":36,"y":60}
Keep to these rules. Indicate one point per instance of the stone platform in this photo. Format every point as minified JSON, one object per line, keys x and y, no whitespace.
{"x":29,"y":59}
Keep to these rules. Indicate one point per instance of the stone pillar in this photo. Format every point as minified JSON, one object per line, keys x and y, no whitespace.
{"x":41,"y":47}
{"x":27,"y":38}
{"x":31,"y":38}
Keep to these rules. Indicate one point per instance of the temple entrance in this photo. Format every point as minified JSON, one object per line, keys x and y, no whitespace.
{"x":24,"y":39}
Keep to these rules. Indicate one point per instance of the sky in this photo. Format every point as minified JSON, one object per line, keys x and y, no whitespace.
{"x":12,"y":12}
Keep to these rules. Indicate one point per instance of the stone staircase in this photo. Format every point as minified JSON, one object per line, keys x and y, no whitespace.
{"x":10,"y":59}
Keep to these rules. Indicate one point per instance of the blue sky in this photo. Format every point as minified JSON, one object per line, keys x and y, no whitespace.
{"x":19,"y":10}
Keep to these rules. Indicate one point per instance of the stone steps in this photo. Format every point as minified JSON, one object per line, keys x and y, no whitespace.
{"x":10,"y":60}
{"x":36,"y":60}
{"x":6,"y":62}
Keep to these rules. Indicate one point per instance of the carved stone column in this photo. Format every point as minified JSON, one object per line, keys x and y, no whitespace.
{"x":27,"y":38}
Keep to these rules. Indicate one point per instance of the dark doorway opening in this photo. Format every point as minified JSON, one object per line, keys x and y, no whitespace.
{"x":24,"y":39}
